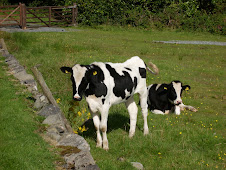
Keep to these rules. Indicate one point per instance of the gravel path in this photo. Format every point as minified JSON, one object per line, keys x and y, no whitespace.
{"x":12,"y":29}
{"x":193,"y":42}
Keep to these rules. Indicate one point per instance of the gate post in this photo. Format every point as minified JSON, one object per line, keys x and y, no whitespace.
{"x":74,"y":14}
{"x":50,"y":10}
{"x":23,"y":16}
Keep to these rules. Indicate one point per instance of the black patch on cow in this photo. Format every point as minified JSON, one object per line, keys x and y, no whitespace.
{"x":135,"y":82}
{"x":122,"y":82}
{"x":128,"y":68}
{"x":73,"y":85}
{"x":142,"y":72}
{"x":159,"y":99}
{"x":127,"y":97}
{"x":95,"y":78}
{"x":103,"y":100}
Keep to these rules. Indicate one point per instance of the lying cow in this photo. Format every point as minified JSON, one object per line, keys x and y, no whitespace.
{"x":106,"y":84}
{"x":166,"y":98}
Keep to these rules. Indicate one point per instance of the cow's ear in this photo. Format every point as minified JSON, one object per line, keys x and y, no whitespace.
{"x":186,"y":87}
{"x":66,"y":70}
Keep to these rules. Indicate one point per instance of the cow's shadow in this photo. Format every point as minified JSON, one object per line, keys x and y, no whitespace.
{"x":115,"y":121}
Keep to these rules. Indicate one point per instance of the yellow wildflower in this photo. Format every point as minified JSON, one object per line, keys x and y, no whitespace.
{"x":79,"y":113}
{"x":58,"y":100}
{"x":76,"y":132}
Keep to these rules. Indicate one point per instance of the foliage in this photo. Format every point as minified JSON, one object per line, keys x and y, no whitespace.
{"x":192,"y":15}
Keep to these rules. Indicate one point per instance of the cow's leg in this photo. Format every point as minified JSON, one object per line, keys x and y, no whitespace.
{"x":144,"y":109}
{"x":103,"y":126}
{"x":177,"y":110}
{"x":155,"y":111}
{"x":191,"y":108}
{"x":132,"y":108}
{"x":96,"y":121}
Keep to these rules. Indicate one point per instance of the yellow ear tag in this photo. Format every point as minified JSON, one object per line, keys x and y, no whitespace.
{"x":165,"y":88}
{"x":186,"y":89}
{"x":95,"y":73}
{"x":66,"y":72}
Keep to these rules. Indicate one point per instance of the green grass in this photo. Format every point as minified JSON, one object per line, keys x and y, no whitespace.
{"x":188,"y":141}
{"x":20,"y":145}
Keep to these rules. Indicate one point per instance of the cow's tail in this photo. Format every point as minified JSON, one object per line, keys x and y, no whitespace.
{"x":154,"y":69}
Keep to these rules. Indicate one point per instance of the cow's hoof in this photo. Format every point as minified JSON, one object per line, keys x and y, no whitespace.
{"x":99,"y":145}
{"x":194,"y":110}
{"x":131,"y":135}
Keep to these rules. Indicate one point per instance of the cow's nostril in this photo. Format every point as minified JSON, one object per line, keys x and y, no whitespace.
{"x":77,"y":98}
{"x":179,"y":102}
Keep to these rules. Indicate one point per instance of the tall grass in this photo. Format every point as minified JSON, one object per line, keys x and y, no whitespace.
{"x":189,"y":141}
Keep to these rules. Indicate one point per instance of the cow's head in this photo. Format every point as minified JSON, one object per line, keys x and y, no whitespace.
{"x":78,"y":78}
{"x":174,"y":91}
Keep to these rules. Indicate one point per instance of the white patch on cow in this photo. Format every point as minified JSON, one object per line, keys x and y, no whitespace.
{"x":177,"y":110}
{"x":178,"y":88}
{"x":157,"y":112}
{"x":158,"y":85}
{"x":78,"y":74}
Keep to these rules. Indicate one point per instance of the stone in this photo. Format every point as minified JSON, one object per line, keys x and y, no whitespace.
{"x":81,"y":160}
{"x":53,"y":136}
{"x":22,"y":76}
{"x":137,"y":165}
{"x":52,"y":119}
{"x":40,"y":101}
{"x":49,"y":110}
{"x":58,"y":128}
{"x":92,"y":167}
{"x":74,"y":140}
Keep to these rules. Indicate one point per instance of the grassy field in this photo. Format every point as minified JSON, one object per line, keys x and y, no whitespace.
{"x":20,"y":145}
{"x":188,"y":141}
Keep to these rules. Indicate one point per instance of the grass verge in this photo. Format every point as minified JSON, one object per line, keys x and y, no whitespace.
{"x":20,"y":146}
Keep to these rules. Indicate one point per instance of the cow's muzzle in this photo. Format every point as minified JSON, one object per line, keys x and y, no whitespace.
{"x":77,"y":97}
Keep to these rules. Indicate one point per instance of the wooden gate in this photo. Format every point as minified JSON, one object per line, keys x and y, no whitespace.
{"x":38,"y":16}
{"x":11,"y":15}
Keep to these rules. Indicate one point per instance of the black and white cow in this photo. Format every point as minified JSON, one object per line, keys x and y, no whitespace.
{"x":106,"y":84}
{"x":166,"y":98}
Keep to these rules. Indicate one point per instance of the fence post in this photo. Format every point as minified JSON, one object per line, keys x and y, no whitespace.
{"x":74,"y":14}
{"x":23,"y":16}
{"x":50,"y":10}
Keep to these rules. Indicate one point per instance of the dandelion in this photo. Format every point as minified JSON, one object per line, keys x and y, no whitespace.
{"x":58,"y":100}
{"x":215,"y":136}
{"x":216,"y":120}
{"x":83,"y":128}
{"x":220,"y":158}
{"x":180,"y":133}
{"x":207,"y":164}
{"x":76,"y":132}
{"x":79,"y":113}
{"x":159,"y":153}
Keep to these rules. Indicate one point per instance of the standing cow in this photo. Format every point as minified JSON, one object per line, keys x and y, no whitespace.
{"x":106,"y":84}
{"x":166,"y":98}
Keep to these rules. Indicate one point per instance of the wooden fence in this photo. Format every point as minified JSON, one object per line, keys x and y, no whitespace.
{"x":46,"y":16}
